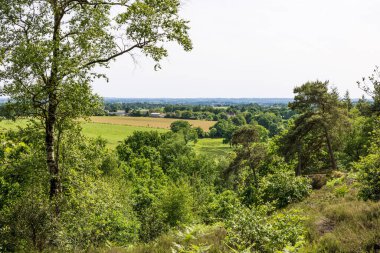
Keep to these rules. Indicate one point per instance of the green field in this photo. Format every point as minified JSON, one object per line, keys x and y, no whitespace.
{"x":114,"y":134}
{"x":110,"y":132}
{"x":212,"y":147}
{"x":11,"y":125}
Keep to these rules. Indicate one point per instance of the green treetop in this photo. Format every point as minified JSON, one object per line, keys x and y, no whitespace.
{"x":51,"y":51}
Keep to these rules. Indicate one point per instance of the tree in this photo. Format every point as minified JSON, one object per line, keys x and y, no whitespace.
{"x":368,"y":170}
{"x":321,"y":119}
{"x":223,"y":129}
{"x":200,"y":132}
{"x":270,"y":121}
{"x":180,"y":125}
{"x":347,"y":100}
{"x":183,"y":127}
{"x":50,"y":51}
{"x":371,"y":86}
{"x":245,"y":135}
{"x":364,"y":106}
{"x":238,"y":120}
{"x":250,"y":151}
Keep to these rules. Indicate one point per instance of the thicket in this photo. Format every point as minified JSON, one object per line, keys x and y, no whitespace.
{"x":154,"y":184}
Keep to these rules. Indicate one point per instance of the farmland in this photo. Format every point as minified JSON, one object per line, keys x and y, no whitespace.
{"x":117,"y":129}
{"x":115,"y":133}
{"x":149,"y":122}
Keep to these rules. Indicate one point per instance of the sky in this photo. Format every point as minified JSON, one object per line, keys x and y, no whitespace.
{"x":258,"y":49}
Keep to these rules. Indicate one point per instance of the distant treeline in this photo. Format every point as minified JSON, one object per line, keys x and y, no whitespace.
{"x":201,"y":101}
{"x":204,"y":112}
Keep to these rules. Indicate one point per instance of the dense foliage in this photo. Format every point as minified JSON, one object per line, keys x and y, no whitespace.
{"x":157,"y":185}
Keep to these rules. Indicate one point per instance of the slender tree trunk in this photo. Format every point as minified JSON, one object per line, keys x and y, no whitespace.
{"x":51,"y":118}
{"x":255,"y":178}
{"x":330,"y":149}
{"x":52,"y":163}
{"x":252,"y":165}
{"x":299,"y":166}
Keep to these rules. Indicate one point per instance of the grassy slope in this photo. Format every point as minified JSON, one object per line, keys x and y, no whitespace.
{"x":212,"y":147}
{"x":337,"y":221}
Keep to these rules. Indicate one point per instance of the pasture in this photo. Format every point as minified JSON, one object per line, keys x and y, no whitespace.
{"x":115,"y":133}
{"x":212,"y":147}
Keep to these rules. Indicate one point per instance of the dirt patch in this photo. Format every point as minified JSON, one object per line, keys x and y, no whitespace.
{"x":324,"y":225}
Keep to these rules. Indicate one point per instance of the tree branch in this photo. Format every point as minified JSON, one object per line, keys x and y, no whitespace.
{"x":86,"y":2}
{"x":105,"y":60}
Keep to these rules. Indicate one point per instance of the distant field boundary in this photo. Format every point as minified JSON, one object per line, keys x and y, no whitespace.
{"x":163,"y":123}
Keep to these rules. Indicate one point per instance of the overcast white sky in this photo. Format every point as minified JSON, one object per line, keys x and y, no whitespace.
{"x":259,"y":48}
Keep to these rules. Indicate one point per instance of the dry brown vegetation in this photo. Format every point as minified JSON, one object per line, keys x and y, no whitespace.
{"x":149,"y":122}
{"x":337,"y":221}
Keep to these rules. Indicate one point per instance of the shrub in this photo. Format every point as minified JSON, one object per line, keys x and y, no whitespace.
{"x":224,"y":205}
{"x":176,"y":204}
{"x":200,"y":132}
{"x":341,"y":191}
{"x":318,"y":181}
{"x":283,"y":188}
{"x":97,"y":212}
{"x":335,"y":182}
{"x":25,"y":225}
{"x":256,"y":230}
{"x":169,"y":206}
{"x":369,"y":177}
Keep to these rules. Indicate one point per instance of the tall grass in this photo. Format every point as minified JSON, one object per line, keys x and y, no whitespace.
{"x":340,"y":222}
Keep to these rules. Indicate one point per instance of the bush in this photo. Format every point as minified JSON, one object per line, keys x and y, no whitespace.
{"x":97,"y":212}
{"x":341,"y":191}
{"x":224,"y":205}
{"x":176,"y":204}
{"x":318,"y":181}
{"x":283,"y":188}
{"x":25,"y":224}
{"x":200,"y":132}
{"x":256,"y":230}
{"x":167,"y":207}
{"x":369,"y":177}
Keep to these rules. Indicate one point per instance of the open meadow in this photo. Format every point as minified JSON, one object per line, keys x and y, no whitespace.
{"x":116,"y":129}
{"x":212,"y":147}
{"x":113,"y":133}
